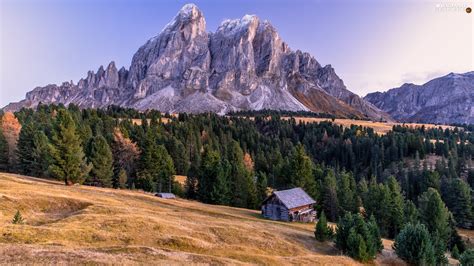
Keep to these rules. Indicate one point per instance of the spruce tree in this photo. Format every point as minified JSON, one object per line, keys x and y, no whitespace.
{"x":241,"y":181}
{"x":213,"y":185}
{"x":300,"y":172}
{"x":434,"y":214}
{"x":457,"y":195}
{"x":166,"y":170}
{"x":156,"y":168}
{"x":413,"y":245}
{"x":455,"y":252}
{"x":330,"y":201}
{"x":358,"y":238}
{"x":122,"y":179}
{"x":101,"y":160}
{"x":261,"y":187}
{"x":41,"y":155}
{"x":68,"y":156}
{"x":323,"y":232}
{"x":455,"y":239}
{"x":410,"y":213}
{"x":396,"y":207}
{"x":18,"y":218}
{"x":25,"y":146}
{"x":467,"y":258}
{"x":346,"y":189}
{"x":3,"y":151}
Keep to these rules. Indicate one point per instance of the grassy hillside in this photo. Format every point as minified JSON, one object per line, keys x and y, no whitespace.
{"x":83,"y":224}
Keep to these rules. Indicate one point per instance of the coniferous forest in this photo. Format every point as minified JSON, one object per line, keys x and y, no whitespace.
{"x":411,"y":185}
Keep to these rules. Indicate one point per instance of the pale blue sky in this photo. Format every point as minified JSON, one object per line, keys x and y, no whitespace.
{"x":373,"y":44}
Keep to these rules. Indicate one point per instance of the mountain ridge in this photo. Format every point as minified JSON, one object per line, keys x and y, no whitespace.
{"x":243,"y":65}
{"x":444,"y":100}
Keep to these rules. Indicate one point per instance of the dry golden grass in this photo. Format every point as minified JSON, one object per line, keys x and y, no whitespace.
{"x":379,"y":127}
{"x":468,"y":237}
{"x":87,"y":225}
{"x":138,"y":122}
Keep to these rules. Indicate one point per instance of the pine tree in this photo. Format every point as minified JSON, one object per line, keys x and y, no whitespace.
{"x":166,"y":172}
{"x":357,"y":246}
{"x":330,"y":201}
{"x":455,"y":252}
{"x":455,"y":239}
{"x":375,"y":244}
{"x":261,"y":186}
{"x":240,"y":178}
{"x":213,"y":185}
{"x":434,"y":214}
{"x":467,"y":258}
{"x":413,"y":245}
{"x":457,"y":195}
{"x":300,"y":173}
{"x":410,"y":213}
{"x":323,"y":232}
{"x":25,"y":146}
{"x":68,"y":156}
{"x":358,"y":238}
{"x":41,"y":155}
{"x":101,"y":160}
{"x":179,"y":154}
{"x":18,"y":219}
{"x":156,"y":166}
{"x":346,"y":189}
{"x":378,"y":203}
{"x":396,"y":207}
{"x":122,"y":179}
{"x":3,"y":151}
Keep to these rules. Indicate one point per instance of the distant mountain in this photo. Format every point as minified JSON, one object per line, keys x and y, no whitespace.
{"x":244,"y":65}
{"x":445,"y":100}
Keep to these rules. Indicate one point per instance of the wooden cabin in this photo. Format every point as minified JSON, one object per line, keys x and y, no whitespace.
{"x":289,"y":205}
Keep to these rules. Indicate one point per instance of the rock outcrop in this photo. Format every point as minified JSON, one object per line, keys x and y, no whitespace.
{"x":445,"y":100}
{"x":244,"y":65}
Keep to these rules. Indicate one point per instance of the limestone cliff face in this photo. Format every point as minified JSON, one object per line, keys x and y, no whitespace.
{"x":243,"y":65}
{"x":444,"y":100}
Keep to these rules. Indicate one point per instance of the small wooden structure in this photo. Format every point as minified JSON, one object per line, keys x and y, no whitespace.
{"x":165,"y":195}
{"x":289,"y":205}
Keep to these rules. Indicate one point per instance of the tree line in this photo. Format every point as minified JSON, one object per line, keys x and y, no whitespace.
{"x":389,"y":180}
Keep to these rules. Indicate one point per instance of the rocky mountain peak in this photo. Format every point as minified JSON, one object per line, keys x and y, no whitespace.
{"x":243,"y":65}
{"x":190,"y":16}
{"x":248,"y":23}
{"x":447,"y":99}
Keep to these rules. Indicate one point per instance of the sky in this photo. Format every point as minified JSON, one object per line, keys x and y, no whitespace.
{"x":374,"y":45}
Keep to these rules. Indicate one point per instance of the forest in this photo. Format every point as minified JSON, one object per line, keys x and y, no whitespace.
{"x":414,"y":185}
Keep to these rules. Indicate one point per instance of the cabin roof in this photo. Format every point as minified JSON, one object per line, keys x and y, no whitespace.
{"x":165,"y":195}
{"x":293,"y":198}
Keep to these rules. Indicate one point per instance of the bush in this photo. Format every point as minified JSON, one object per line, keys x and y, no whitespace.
{"x":323,"y":232}
{"x":18,"y":219}
{"x":358,"y":238}
{"x":413,"y":245}
{"x":467,"y":258}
